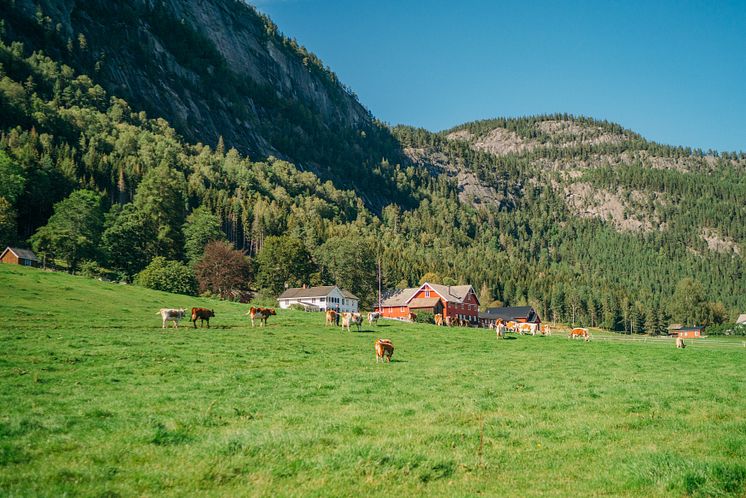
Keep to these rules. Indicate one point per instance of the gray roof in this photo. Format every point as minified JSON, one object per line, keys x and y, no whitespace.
{"x":300,"y":292}
{"x":350,"y":295}
{"x":511,"y":313}
{"x":400,"y":297}
{"x":320,"y":291}
{"x":22,"y":253}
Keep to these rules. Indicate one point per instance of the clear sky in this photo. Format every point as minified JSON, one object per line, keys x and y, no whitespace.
{"x":674,"y":71}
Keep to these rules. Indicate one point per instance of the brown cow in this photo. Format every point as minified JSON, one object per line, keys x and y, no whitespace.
{"x":331,"y":317}
{"x":384,"y":350}
{"x":546,"y":329}
{"x":262,"y":314}
{"x":579,"y":332}
{"x":449,"y":321}
{"x":412,"y":317}
{"x":438,"y":319}
{"x":202,"y":314}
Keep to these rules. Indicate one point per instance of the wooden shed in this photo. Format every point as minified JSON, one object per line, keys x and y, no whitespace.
{"x":16,"y":256}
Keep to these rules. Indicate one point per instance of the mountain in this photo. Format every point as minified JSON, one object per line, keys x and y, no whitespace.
{"x":584,"y":220}
{"x":217,"y":69}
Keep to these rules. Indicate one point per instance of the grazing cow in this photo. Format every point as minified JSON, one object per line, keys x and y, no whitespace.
{"x":412,"y":317}
{"x":171,"y":314}
{"x":262,"y":314}
{"x":680,"y":343}
{"x":202,"y":314}
{"x":373,"y":317}
{"x":384,"y":350}
{"x":500,"y":330}
{"x":579,"y":332}
{"x":512,"y":326}
{"x":350,"y":319}
{"x":546,"y":329}
{"x":438,"y":319}
{"x":331,"y":317}
{"x":527,"y":328}
{"x":449,"y":321}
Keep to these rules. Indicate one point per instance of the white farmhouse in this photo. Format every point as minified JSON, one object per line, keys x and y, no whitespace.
{"x":328,"y":297}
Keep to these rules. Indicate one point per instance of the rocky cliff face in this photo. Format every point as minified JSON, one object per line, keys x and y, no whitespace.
{"x":210,"y":67}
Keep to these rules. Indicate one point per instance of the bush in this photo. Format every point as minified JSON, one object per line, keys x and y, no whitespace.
{"x":424,"y":317}
{"x":726,"y":329}
{"x":169,"y":276}
{"x":91,"y":269}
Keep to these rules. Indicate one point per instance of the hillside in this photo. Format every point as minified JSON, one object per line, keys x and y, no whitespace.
{"x":216,"y":69}
{"x":99,"y":400}
{"x":586,"y":221}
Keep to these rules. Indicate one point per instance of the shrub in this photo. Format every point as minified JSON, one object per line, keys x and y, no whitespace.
{"x":91,"y":269}
{"x":424,"y":317}
{"x":169,"y":276}
{"x":726,"y":329}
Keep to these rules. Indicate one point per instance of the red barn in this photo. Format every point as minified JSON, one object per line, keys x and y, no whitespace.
{"x":690,"y":332}
{"x":17,"y":256}
{"x":456,"y":301}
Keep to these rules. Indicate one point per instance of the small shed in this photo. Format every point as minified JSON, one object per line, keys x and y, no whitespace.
{"x":16,"y":256}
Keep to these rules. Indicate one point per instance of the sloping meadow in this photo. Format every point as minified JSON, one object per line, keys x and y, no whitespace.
{"x":99,"y":400}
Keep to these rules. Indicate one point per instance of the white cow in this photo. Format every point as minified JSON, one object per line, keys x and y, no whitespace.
{"x":500,"y":330}
{"x":373,"y":317}
{"x":171,"y":314}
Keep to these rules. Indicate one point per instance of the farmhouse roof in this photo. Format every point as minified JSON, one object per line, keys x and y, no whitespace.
{"x":741,"y":318}
{"x":349,"y":295}
{"x":451,"y":293}
{"x":424,"y":302}
{"x":511,"y":313}
{"x":399,"y":298}
{"x":675,"y":326}
{"x":301,"y":292}
{"x":21,"y":253}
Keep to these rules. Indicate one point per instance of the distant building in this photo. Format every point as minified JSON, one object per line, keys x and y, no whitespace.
{"x":328,"y":297}
{"x":455,"y":301}
{"x":685,"y":332}
{"x":519,"y":314}
{"x":16,"y":256}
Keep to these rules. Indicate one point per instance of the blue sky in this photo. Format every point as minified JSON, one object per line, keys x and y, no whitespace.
{"x":673,"y":71}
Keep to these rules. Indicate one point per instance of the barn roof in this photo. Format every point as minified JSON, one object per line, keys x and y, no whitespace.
{"x":451,"y":293}
{"x":301,"y":292}
{"x":511,"y":313}
{"x":400,"y":297}
{"x":21,"y":253}
{"x":424,"y":302}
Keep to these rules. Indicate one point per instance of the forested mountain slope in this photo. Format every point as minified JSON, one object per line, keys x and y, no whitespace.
{"x":588,"y":222}
{"x":216,"y":69}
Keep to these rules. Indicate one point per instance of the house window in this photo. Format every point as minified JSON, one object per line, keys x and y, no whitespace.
{"x":313,"y":299}
{"x":322,"y":300}
{"x":427,"y":293}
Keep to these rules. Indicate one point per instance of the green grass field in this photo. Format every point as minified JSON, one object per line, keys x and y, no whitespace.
{"x":97,"y":400}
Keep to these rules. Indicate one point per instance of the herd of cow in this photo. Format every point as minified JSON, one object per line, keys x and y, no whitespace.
{"x":384,"y":348}
{"x":204,"y":315}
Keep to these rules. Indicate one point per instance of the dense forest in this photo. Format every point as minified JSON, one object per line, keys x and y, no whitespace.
{"x":99,"y":186}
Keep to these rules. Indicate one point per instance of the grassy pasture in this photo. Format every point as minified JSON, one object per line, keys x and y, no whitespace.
{"x":97,"y":400}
